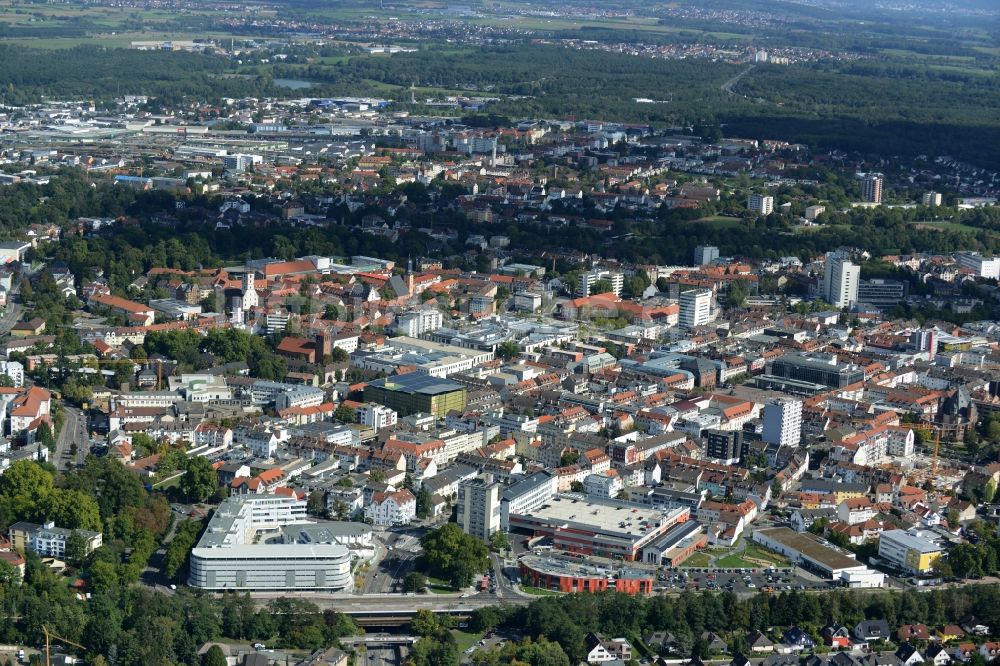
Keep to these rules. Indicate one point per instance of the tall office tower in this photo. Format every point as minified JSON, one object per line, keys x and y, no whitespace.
{"x":873,"y":188}
{"x":705,"y":254}
{"x":695,"y":307}
{"x":761,"y":204}
{"x":783,"y":422}
{"x":840,"y":280}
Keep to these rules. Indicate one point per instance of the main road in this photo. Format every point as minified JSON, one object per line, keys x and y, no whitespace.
{"x":74,"y":431}
{"x":12,"y":313}
{"x":395,"y":603}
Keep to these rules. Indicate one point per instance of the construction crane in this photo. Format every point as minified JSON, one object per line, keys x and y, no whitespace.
{"x":146,"y":361}
{"x":936,"y":429}
{"x":48,"y":636}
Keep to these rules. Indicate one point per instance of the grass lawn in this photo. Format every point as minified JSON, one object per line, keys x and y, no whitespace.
{"x":942,"y":224}
{"x":464,"y":639}
{"x":439,"y":586}
{"x":759,"y":553}
{"x":735,"y":562}
{"x":754,"y":552}
{"x":698,"y":560}
{"x":539,"y":591}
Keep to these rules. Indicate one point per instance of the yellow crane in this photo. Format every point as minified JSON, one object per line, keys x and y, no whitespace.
{"x":146,"y":361}
{"x":49,"y":636}
{"x":936,"y":429}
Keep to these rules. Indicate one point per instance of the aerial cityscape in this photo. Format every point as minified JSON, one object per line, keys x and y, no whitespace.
{"x":428,"y":333}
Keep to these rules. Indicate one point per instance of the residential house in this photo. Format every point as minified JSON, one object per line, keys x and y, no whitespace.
{"x":908,"y":655}
{"x":760,"y":643}
{"x":913,"y":632}
{"x":938,"y":655}
{"x":872,"y":631}
{"x":950,"y":633}
{"x":836,"y":636}
{"x":600,"y":650}
{"x":715,"y":642}
{"x":797,"y":638}
{"x":392,"y":508}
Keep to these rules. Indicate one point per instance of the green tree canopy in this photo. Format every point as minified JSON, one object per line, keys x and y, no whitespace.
{"x":454,"y":555}
{"x":199,"y":480}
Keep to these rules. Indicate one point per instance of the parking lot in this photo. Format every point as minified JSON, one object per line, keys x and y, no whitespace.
{"x":737,"y":580}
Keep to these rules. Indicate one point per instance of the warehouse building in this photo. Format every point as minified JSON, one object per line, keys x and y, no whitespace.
{"x":815,"y":554}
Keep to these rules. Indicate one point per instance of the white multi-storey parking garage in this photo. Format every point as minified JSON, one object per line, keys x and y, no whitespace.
{"x":247,"y":547}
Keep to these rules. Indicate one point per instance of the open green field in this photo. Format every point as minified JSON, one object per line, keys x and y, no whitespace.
{"x":942,"y":225}
{"x":465,"y":639}
{"x":539,"y":592}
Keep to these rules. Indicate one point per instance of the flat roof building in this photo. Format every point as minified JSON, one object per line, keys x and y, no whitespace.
{"x":429,"y":357}
{"x":565,"y":575}
{"x":417,"y":392}
{"x":912,"y":552}
{"x":605,"y":527}
{"x":479,"y":506}
{"x":265,"y":543}
{"x":816,"y":369}
{"x":526,"y":494}
{"x":815,"y":554}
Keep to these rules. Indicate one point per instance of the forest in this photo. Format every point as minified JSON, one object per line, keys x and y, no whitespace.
{"x":91,"y":72}
{"x":876,"y":107}
{"x":554,"y":628}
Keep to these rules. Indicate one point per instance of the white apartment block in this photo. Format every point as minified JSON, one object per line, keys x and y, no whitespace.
{"x":588,"y":280}
{"x":783,"y":422}
{"x":397,"y":508}
{"x":50,"y":541}
{"x":841,"y":278}
{"x":300,"y":396}
{"x":14,"y":370}
{"x":932,"y":199}
{"x":606,"y":484}
{"x":761,"y":204}
{"x":522,"y":497}
{"x":479,"y":507}
{"x":376,"y":416}
{"x":705,"y":254}
{"x":417,"y":322}
{"x":695,"y":307}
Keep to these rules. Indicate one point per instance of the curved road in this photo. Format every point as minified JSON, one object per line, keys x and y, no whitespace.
{"x":728,"y":85}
